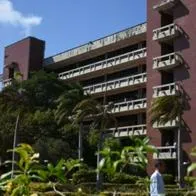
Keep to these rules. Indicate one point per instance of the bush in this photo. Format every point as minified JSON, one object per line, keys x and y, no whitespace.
{"x":124,"y":178}
{"x":168,"y":179}
{"x":84,"y":176}
{"x":189,"y":180}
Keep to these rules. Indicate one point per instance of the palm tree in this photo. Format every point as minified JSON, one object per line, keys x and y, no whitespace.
{"x":100,"y":116}
{"x":72,"y":95}
{"x":64,"y":112}
{"x":167,"y":108}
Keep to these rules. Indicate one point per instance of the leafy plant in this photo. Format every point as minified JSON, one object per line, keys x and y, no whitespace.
{"x":25,"y":173}
{"x":191,"y":168}
{"x":165,"y":108}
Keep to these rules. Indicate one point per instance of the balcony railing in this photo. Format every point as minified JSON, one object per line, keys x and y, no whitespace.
{"x":108,"y":63}
{"x":1,"y":77}
{"x":165,"y":90}
{"x":106,"y":41}
{"x":165,"y":152}
{"x":116,"y":84}
{"x":129,"y":105}
{"x":7,"y":82}
{"x":165,"y":5}
{"x":170,"y":124}
{"x":166,"y":33}
{"x":168,"y":61}
{"x":129,"y":131}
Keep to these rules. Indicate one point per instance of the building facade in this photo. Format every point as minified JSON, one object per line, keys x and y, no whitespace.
{"x":131,"y":68}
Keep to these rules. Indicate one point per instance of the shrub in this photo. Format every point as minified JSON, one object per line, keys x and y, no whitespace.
{"x":84,"y":176}
{"x":124,"y":178}
{"x":189,"y":180}
{"x":168,"y":179}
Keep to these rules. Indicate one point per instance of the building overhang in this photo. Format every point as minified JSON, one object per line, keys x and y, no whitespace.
{"x":98,"y":47}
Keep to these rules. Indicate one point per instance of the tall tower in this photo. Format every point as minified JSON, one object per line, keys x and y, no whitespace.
{"x":23,"y":56}
{"x":171,"y":71}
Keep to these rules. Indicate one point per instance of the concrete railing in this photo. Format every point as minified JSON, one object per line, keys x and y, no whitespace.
{"x":165,"y":90}
{"x":167,"y":125}
{"x":108,"y":63}
{"x":92,"y":45}
{"x":129,"y":130}
{"x":129,"y":105}
{"x":116,"y":84}
{"x":165,"y":152}
{"x":7,"y":82}
{"x":1,"y":77}
{"x":166,"y":32}
{"x":167,"y":61}
{"x":165,"y":5}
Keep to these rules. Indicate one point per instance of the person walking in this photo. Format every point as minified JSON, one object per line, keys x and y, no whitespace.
{"x":156,"y":180}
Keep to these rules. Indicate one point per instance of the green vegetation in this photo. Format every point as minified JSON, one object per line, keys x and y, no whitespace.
{"x":166,"y":108}
{"x":56,"y":153}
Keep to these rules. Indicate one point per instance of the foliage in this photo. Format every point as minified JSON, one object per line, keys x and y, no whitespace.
{"x":192,"y":168}
{"x":134,"y":155}
{"x":168,"y":179}
{"x":84,"y":175}
{"x":35,"y":98}
{"x":51,"y":149}
{"x":165,"y":108}
{"x":30,"y":170}
{"x":124,"y":178}
{"x":67,"y":101}
{"x":125,"y":159}
{"x":99,"y":115}
{"x":26,"y":172}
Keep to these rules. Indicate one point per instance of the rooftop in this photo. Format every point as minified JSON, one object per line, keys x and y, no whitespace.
{"x":96,"y":44}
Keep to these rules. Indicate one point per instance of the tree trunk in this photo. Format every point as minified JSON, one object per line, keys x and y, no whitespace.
{"x":80,"y":145}
{"x":179,"y":153}
{"x":14,"y":143}
{"x":99,"y":175}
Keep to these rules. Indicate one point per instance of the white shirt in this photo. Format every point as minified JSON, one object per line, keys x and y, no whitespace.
{"x":157,"y":184}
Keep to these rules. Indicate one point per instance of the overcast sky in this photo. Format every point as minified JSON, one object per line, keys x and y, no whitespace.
{"x":64,"y":24}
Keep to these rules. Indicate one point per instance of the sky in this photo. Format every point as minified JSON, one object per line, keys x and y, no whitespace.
{"x":65,"y":24}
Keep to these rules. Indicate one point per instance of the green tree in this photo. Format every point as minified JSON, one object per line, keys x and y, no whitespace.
{"x":101,"y":117}
{"x":166,"y":108}
{"x":36,"y":101}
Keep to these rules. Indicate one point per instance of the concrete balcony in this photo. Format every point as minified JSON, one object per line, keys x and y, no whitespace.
{"x":165,"y":90}
{"x":168,"y":125}
{"x":1,"y":77}
{"x":165,"y":5}
{"x":7,"y":82}
{"x":165,"y":152}
{"x":121,"y":84}
{"x":129,"y":131}
{"x":106,"y":66}
{"x":169,"y":32}
{"x":168,"y":61}
{"x":129,"y":106}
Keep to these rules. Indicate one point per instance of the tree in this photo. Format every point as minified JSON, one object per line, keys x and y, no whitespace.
{"x":64,"y":112}
{"x":101,"y":117}
{"x":166,"y":108}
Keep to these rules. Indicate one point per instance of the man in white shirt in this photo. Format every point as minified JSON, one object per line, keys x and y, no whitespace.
{"x":157,"y":183}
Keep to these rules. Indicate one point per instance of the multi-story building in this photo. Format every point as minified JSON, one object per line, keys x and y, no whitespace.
{"x":131,"y":68}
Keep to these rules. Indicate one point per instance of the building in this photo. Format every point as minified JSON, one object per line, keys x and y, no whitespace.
{"x":131,"y":68}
